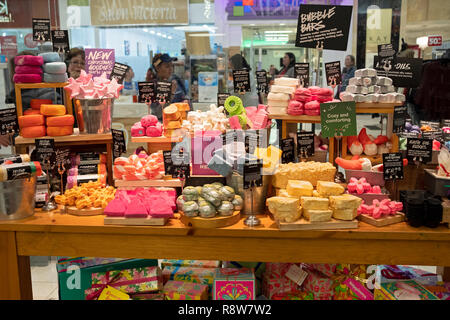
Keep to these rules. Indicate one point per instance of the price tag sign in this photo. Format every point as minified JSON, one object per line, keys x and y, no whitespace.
{"x":296,"y":274}
{"x":241,"y":81}
{"x":41,"y":29}
{"x":62,"y":157}
{"x":400,"y":114}
{"x":386,"y":50}
{"x":301,"y":72}
{"x":8,"y":121}
{"x":146,"y":92}
{"x":119,"y":145}
{"x":333,"y":73}
{"x":177,"y":165}
{"x":404,"y":72}
{"x":221,"y":98}
{"x":252,"y":173}
{"x":163,"y":91}
{"x":305,"y":144}
{"x":393,"y":166}
{"x":45,"y":150}
{"x":435,"y":134}
{"x":338,"y":119}
{"x":60,"y":41}
{"x":255,"y":139}
{"x":408,"y":135}
{"x":419,"y":149}
{"x":118,"y":72}
{"x":261,"y":82}
{"x":287,"y":148}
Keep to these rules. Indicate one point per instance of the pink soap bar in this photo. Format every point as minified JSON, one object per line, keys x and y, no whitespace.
{"x":136,"y":209}
{"x":28,"y":70}
{"x":234,"y":122}
{"x":137,"y":131}
{"x":27,"y":78}
{"x":28,"y":60}
{"x":115,"y":208}
{"x":260,"y":121}
{"x":313,"y":112}
{"x":323,"y":99}
{"x":154,"y":131}
{"x":251,"y":112}
{"x":149,"y":120}
{"x":312,"y":105}
{"x":325,"y":92}
{"x":262,"y":107}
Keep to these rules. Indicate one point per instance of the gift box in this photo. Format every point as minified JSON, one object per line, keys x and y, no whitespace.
{"x":302,"y":295}
{"x":258,"y":269}
{"x":190,"y":274}
{"x":83,"y":262}
{"x":276,"y":269}
{"x":73,"y":282}
{"x":326,"y":269}
{"x":393,"y":273}
{"x":319,"y":285}
{"x":234,"y":284}
{"x":403,"y":290}
{"x":440,"y":290}
{"x":190,"y":263}
{"x":147,"y":296}
{"x":144,"y":279}
{"x":278,"y":286}
{"x":181,"y":290}
{"x":350,"y":282}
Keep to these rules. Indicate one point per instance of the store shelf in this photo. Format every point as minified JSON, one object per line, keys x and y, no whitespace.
{"x":171,"y":183}
{"x":85,"y":138}
{"x":304,"y":118}
{"x":161,"y":139}
{"x":41,"y":85}
{"x":376,"y":107}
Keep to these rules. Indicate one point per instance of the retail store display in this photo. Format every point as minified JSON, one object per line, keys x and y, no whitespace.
{"x":307,"y":171}
{"x":181,"y":290}
{"x":22,"y":170}
{"x":213,"y":119}
{"x":88,"y":87}
{"x":139,"y":167}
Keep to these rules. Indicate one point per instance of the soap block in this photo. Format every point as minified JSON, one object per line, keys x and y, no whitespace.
{"x":137,"y":131}
{"x":283,"y":193}
{"x":115,"y":208}
{"x":327,"y":188}
{"x":299,"y":188}
{"x":234,"y":122}
{"x":190,"y":274}
{"x":136,"y":209}
{"x":317,"y":215}
{"x":149,"y":120}
{"x":346,"y":201}
{"x":284,"y":209}
{"x":234,"y":284}
{"x":403,"y":290}
{"x":181,"y":290}
{"x":345,"y":214}
{"x":313,"y":203}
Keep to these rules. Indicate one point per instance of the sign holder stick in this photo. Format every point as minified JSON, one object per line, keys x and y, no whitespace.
{"x":252,"y":220}
{"x":49,"y":204}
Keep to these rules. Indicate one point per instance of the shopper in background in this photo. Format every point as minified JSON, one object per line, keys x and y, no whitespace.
{"x":288,"y":65}
{"x":238,"y":62}
{"x":273,"y":71}
{"x":129,"y":87}
{"x":347,"y":72}
{"x":75,"y":61}
{"x":150,"y":75}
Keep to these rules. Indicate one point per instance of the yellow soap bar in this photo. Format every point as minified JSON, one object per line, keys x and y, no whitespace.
{"x":284,"y":209}
{"x":317,"y":194}
{"x":299,"y":188}
{"x":317,"y":215}
{"x":346,"y":201}
{"x":345,"y":214}
{"x":284,"y":193}
{"x":314,"y":203}
{"x":327,"y":188}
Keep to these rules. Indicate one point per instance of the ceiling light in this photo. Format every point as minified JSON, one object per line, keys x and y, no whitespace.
{"x":169,"y":37}
{"x":145,"y":30}
{"x":164,"y":35}
{"x":152,"y":32}
{"x":282,"y":24}
{"x":159,"y":34}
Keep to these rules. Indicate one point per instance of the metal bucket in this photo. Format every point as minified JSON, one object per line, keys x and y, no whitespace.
{"x":258,"y":197}
{"x":17,"y":198}
{"x":94,"y":115}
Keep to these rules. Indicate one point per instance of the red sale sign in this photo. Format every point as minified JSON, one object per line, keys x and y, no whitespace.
{"x":435,"y":41}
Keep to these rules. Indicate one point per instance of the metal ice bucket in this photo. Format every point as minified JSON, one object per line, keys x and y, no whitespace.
{"x":17,"y":198}
{"x":94,"y":115}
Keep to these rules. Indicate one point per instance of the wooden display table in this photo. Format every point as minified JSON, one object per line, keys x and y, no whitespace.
{"x":55,"y":234}
{"x":88,"y":140}
{"x":154,"y":144}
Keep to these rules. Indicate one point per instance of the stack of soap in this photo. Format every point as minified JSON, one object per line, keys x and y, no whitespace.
{"x":28,"y":69}
{"x":139,"y":167}
{"x":308,"y":171}
{"x":285,"y":209}
{"x":148,"y":126}
{"x":327,"y":189}
{"x":54,"y":68}
{"x":58,"y":123}
{"x":288,"y":82}
{"x":32,"y":126}
{"x":298,"y":188}
{"x":316,"y":209}
{"x":307,"y":100}
{"x":172,"y":120}
{"x":278,"y":102}
{"x":213,"y":119}
{"x":345,"y":206}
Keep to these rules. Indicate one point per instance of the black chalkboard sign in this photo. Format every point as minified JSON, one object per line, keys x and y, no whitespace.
{"x":386,"y":50}
{"x":435,"y":134}
{"x":45,"y":151}
{"x":177,"y":165}
{"x":221,"y":98}
{"x":400,"y":115}
{"x":119,"y":145}
{"x":41,"y":29}
{"x":8,"y":121}
{"x":255,"y":139}
{"x":241,"y":81}
{"x":301,"y":72}
{"x":163,"y":91}
{"x":393,"y":166}
{"x":419,"y":149}
{"x":404,"y":72}
{"x":146,"y":92}
{"x":323,"y":26}
{"x":333,"y":73}
{"x":262,"y":85}
{"x":252,"y":173}
{"x":305,"y":144}
{"x":60,"y":41}
{"x":62,"y":157}
{"x":287,"y":148}
{"x":118,"y":72}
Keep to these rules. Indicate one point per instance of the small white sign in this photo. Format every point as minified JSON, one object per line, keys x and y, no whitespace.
{"x":296,"y":274}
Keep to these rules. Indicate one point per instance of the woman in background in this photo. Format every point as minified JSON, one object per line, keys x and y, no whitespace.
{"x":288,"y":65}
{"x":75,"y":61}
{"x":348,"y":72}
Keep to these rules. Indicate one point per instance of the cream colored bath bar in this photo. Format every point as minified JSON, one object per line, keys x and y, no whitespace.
{"x":345,"y":214}
{"x":346,"y":201}
{"x":317,"y":215}
{"x":327,"y":188}
{"x":314,"y":203}
{"x":299,"y":188}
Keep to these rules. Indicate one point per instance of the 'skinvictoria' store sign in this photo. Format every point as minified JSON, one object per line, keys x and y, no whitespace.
{"x":139,"y":12}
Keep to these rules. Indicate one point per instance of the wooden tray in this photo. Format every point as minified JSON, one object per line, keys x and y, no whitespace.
{"x":216,"y":222}
{"x":304,"y":224}
{"x":84,"y":212}
{"x":173,"y":183}
{"x":149,"y":221}
{"x":399,"y":217}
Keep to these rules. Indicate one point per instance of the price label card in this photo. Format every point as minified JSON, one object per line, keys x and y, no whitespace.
{"x":60,"y":41}
{"x":177,"y":165}
{"x":445,"y":123}
{"x":62,"y":157}
{"x":221,"y":98}
{"x":338,"y":119}
{"x":262,"y":85}
{"x":296,"y":274}
{"x":163,"y":91}
{"x":400,"y":115}
{"x":404,"y":72}
{"x":241,"y":81}
{"x":118,"y":72}
{"x":8,"y":121}
{"x":435,"y":134}
{"x":301,"y":72}
{"x":408,"y":135}
{"x":45,"y":150}
{"x":305,"y":144}
{"x":333,"y":73}
{"x":435,"y":125}
{"x":386,"y":50}
{"x":393,"y":166}
{"x":255,"y":139}
{"x":287,"y":148}
{"x":146,"y":92}
{"x":419,"y":149}
{"x":41,"y":29}
{"x":119,"y":145}
{"x":252,"y":173}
